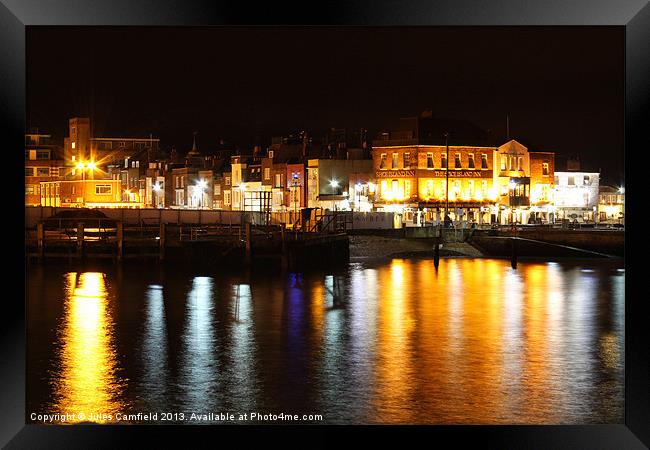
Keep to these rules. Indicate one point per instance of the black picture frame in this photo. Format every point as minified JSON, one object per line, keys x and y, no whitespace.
{"x":633,"y":15}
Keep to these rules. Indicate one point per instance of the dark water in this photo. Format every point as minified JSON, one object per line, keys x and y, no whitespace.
{"x":394,"y":342}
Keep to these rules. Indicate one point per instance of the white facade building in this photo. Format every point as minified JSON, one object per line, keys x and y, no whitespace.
{"x":576,"y":195}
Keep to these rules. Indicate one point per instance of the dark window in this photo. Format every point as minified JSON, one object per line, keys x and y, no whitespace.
{"x":484,"y":164}
{"x":457,"y":163}
{"x":42,"y":171}
{"x":470,"y":164}
{"x":382,"y":163}
{"x":42,"y":154}
{"x":395,"y":155}
{"x":29,"y":171}
{"x":407,"y":160}
{"x":443,"y":161}
{"x":429,"y":160}
{"x":545,"y":169}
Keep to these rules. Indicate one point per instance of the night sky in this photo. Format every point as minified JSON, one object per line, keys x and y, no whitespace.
{"x":563,"y":87}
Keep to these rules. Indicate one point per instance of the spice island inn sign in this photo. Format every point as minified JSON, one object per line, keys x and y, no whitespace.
{"x":434,"y":173}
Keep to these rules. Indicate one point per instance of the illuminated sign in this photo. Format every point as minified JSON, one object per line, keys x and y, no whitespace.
{"x":395,"y":173}
{"x":460,"y":174}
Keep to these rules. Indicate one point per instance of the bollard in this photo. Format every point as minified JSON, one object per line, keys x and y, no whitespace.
{"x":40,"y":235}
{"x":436,"y":253}
{"x":248,"y":242}
{"x":513,"y":258}
{"x":80,"y":239}
{"x":120,"y":240}
{"x":162,"y":240}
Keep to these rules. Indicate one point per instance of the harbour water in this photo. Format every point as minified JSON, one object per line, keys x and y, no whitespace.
{"x":398,"y":341}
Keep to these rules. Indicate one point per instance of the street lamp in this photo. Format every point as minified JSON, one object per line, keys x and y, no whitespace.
{"x":359,"y":196}
{"x":157,"y":189}
{"x":446,"y":177}
{"x":202,"y":184}
{"x":83,"y":166}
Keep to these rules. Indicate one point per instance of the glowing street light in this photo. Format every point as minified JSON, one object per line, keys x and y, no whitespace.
{"x":201,"y":184}
{"x":334,"y":183}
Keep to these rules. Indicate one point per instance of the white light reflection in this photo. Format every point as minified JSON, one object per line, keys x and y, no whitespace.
{"x":199,"y":369}
{"x":242,"y":354}
{"x":154,"y":348}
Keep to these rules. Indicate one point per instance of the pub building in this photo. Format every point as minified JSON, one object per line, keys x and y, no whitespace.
{"x":411,"y":180}
{"x":506,"y":184}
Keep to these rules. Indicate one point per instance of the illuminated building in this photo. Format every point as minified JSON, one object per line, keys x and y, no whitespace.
{"x":411,"y":180}
{"x":123,"y":158}
{"x":43,"y":162}
{"x":247,"y":193}
{"x":329,"y":181}
{"x":83,"y":193}
{"x":611,"y":205}
{"x":525,"y":182}
{"x":576,"y":195}
{"x":486,"y":184}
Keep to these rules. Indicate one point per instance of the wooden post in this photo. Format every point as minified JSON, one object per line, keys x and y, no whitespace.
{"x":40,"y":235}
{"x":80,"y":239}
{"x":248,"y":242}
{"x":513,"y":258}
{"x":162,"y":240}
{"x":120,"y":240}
{"x":436,"y":253}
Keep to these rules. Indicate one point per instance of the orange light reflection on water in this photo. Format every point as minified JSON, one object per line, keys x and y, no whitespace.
{"x":88,"y":385}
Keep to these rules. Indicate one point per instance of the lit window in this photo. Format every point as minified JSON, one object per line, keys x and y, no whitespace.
{"x":382,"y":162}
{"x":395,"y":187}
{"x":503,"y":162}
{"x":267,"y":173}
{"x":395,"y":155}
{"x":407,"y":188}
{"x":74,"y":145}
{"x":103,"y":189}
{"x":42,"y":171}
{"x":407,"y":160}
{"x":429,"y":188}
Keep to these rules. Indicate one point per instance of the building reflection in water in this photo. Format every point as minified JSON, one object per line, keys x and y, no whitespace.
{"x":243,"y":388}
{"x":472,"y":342}
{"x":199,"y":374}
{"x":87,"y":383}
{"x":155,"y":357}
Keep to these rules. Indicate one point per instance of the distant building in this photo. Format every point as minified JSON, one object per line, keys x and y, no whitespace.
{"x":576,"y":195}
{"x":123,"y":158}
{"x":611,"y":205}
{"x":43,"y":162}
{"x":83,"y":193}
{"x":329,"y":180}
